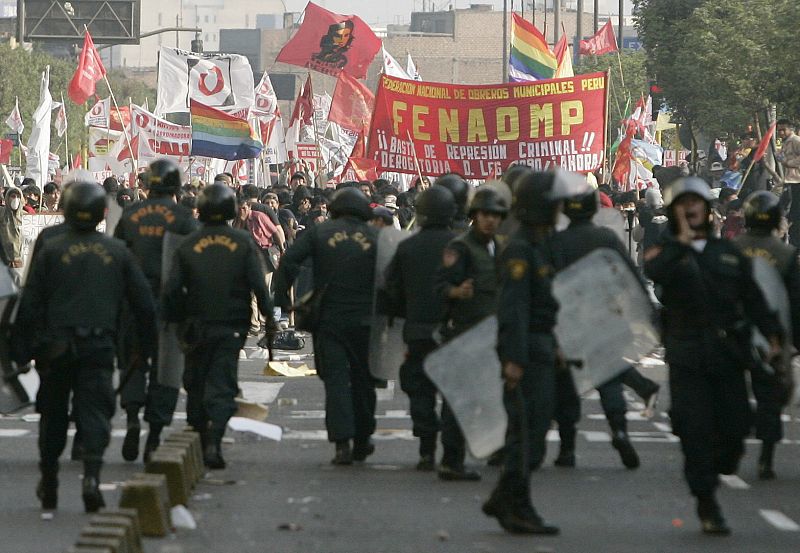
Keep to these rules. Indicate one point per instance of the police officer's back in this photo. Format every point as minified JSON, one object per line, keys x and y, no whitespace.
{"x":213,"y":273}
{"x":70,"y":308}
{"x":343,"y":252}
{"x":411,"y":293}
{"x":143,"y":227}
{"x":763,"y":214}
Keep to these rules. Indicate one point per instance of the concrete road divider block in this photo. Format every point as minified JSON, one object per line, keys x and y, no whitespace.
{"x":147,"y":494}
{"x":196,"y":449}
{"x":115,"y":545}
{"x":131,"y":515}
{"x":173,"y":466}
{"x":131,"y":532}
{"x":109,"y":532}
{"x":188,"y":465}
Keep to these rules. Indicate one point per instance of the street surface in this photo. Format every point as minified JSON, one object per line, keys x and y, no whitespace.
{"x":285,"y":497}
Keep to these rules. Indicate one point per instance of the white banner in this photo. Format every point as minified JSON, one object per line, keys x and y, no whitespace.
{"x":158,"y":137}
{"x":98,"y":115}
{"x":216,"y":80}
{"x":39,"y":142}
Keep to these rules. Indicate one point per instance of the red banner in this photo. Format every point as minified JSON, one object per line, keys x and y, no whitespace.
{"x":602,"y":42}
{"x":478,"y":131}
{"x":331,"y":43}
{"x":351,"y":106}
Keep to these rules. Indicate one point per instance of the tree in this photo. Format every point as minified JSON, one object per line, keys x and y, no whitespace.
{"x":22,"y":71}
{"x":716,"y":59}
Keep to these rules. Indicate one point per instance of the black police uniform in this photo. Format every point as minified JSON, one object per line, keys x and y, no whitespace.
{"x":466,"y":257}
{"x":343,"y":252}
{"x":143,"y":227}
{"x":214,"y":271}
{"x":709,"y":299}
{"x":410,"y":285}
{"x":526,"y":316}
{"x":75,"y":324}
{"x":767,"y":388}
{"x":579,"y":239}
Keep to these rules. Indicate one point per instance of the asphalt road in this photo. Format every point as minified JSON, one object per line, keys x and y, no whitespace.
{"x":285,"y":497}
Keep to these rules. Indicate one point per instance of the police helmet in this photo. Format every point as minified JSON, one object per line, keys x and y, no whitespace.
{"x":687,"y":185}
{"x":436,"y":206}
{"x":583,"y":206}
{"x":350,"y":201}
{"x":216,"y":204}
{"x":514,"y":173}
{"x":488,"y":199}
{"x":84,"y":205}
{"x":164,"y":176}
{"x":535,"y":201}
{"x":457,"y":186}
{"x":762,"y":210}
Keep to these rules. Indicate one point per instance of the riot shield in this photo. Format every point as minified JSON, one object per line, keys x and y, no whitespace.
{"x":611,"y":218}
{"x":605,"y":317}
{"x":170,"y":355}
{"x":386,"y":346}
{"x":774,"y":291}
{"x":13,"y":395}
{"x":466,"y":370}
{"x":113,"y":215}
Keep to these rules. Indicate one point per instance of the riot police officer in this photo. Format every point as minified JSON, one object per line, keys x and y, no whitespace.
{"x":763,"y":214}
{"x":73,"y":327}
{"x":459,"y":188}
{"x":467,"y":281}
{"x":143,"y":227}
{"x":527,"y":349}
{"x":709,"y":297}
{"x":410,"y":293}
{"x":343,"y":251}
{"x":579,"y":239}
{"x":213,"y":273}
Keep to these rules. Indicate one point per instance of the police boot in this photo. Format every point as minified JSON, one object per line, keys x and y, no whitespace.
{"x":47,"y":488}
{"x":622,"y":443}
{"x":711,"y":516}
{"x":452,"y":467}
{"x":497,"y":458}
{"x":130,"y":446}
{"x":513,"y":510}
{"x":92,"y":498}
{"x":566,"y":454}
{"x":765,"y":471}
{"x":343,"y":456}
{"x":212,"y":454}
{"x":362,"y":448}
{"x":153,"y":441}
{"x":427,"y":453}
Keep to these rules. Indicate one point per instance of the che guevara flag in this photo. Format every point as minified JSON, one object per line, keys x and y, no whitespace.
{"x":90,"y":70}
{"x":331,"y":43}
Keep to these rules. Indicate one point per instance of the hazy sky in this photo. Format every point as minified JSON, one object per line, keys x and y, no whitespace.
{"x":398,"y":11}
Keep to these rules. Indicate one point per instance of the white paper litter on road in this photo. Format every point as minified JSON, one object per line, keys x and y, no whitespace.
{"x":264,"y":429}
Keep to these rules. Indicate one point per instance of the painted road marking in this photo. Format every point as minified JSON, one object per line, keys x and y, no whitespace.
{"x":779,"y":520}
{"x":13,"y":432}
{"x":734,"y":482}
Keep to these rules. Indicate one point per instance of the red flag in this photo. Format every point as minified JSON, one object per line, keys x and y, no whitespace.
{"x":762,"y":146}
{"x":304,"y":105}
{"x":119,"y":118}
{"x":622,"y":164}
{"x":603,"y":42}
{"x":351,"y":105}
{"x":331,"y":43}
{"x":77,"y":162}
{"x":6,"y":146}
{"x":90,"y":70}
{"x":128,"y":153}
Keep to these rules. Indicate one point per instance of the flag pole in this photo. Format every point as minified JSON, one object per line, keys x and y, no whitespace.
{"x":316,"y":136}
{"x":414,"y":150}
{"x":116,"y":106}
{"x":606,"y":147}
{"x":66,"y":131}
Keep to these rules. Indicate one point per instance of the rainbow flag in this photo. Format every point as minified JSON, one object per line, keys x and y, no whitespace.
{"x":220,"y":135}
{"x":531,"y":58}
